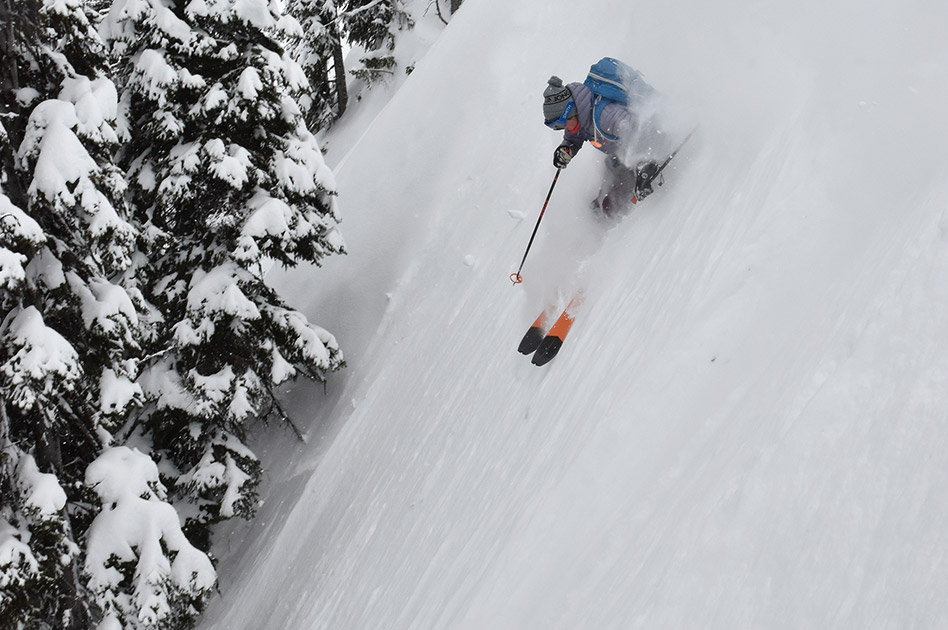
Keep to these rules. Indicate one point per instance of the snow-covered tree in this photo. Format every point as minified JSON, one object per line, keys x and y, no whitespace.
{"x":45,"y":411}
{"x":36,"y":547}
{"x":65,"y":225}
{"x":143,"y":571}
{"x":318,"y":49}
{"x":370,"y":26}
{"x":226,"y":177}
{"x":69,"y":311}
{"x":33,"y":533}
{"x":373,"y":25}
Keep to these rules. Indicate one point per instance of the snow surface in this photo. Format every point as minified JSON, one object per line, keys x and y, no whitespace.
{"x":747,"y":427}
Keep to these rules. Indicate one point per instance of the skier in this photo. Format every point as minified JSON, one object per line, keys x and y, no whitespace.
{"x":617,"y":112}
{"x":626,"y":135}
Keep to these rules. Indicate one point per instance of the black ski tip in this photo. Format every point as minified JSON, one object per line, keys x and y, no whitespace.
{"x":547,"y":350}
{"x":531,"y":341}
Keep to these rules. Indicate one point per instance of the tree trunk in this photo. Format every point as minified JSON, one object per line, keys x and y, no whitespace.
{"x":339,"y":70}
{"x":74,"y":601}
{"x":13,"y":120}
{"x":7,"y":33}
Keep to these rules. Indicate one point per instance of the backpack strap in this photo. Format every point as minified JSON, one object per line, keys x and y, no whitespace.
{"x":600,"y":137}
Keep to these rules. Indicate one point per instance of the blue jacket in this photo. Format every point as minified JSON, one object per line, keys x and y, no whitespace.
{"x":616,"y":120}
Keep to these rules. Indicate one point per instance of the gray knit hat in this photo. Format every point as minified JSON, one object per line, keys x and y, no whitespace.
{"x":555,"y":99}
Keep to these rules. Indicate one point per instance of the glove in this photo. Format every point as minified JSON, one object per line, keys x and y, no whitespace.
{"x":562,"y":156}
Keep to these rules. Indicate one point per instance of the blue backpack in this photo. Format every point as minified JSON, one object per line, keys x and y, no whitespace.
{"x":612,"y":81}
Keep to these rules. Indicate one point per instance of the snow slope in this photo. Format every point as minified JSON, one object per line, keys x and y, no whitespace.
{"x":747,"y":426}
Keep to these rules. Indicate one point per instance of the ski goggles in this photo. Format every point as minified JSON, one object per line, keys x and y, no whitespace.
{"x":560,"y":123}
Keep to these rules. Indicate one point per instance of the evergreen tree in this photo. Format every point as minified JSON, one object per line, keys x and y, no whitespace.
{"x":225,"y":176}
{"x":68,"y":327}
{"x":38,"y":573}
{"x":373,"y":25}
{"x":317,"y":46}
{"x":316,"y":41}
{"x":143,"y":571}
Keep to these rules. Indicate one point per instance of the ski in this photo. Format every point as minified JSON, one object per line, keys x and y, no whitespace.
{"x":531,"y":341}
{"x":550,"y":344}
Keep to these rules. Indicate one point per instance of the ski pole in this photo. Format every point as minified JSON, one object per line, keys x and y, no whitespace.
{"x":515,"y":277}
{"x":674,"y":153}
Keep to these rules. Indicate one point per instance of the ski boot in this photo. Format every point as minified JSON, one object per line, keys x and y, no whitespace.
{"x":645,"y":174}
